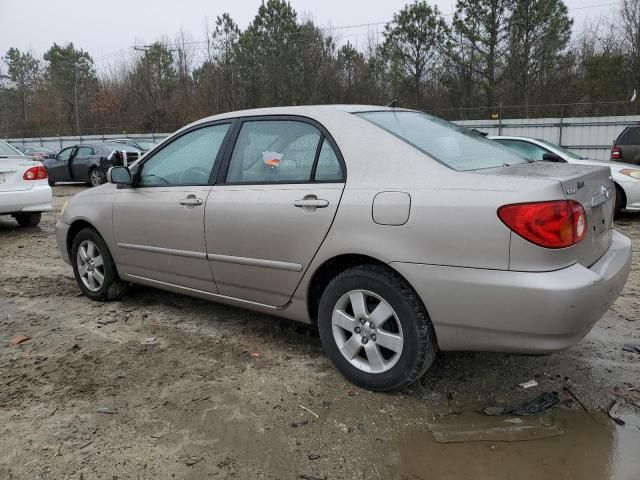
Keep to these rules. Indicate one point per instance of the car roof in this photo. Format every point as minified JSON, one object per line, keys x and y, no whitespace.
{"x":302,"y":110}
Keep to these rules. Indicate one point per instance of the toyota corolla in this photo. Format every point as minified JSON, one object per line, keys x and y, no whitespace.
{"x":395,"y":232}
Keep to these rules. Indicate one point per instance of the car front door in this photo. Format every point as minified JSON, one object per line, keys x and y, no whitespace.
{"x":58,"y":166}
{"x":266,"y":220}
{"x":158,"y":223}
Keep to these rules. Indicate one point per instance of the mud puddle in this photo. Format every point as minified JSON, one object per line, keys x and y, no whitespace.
{"x":590,"y":447}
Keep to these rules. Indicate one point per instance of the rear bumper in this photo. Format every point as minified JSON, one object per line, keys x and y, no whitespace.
{"x":36,"y":199}
{"x":62,"y":231}
{"x":520,"y":312}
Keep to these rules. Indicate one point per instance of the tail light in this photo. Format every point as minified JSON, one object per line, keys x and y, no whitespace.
{"x":554,"y":224}
{"x":616,"y":153}
{"x":35,"y":173}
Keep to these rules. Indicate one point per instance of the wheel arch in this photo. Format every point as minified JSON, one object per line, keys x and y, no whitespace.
{"x":620,"y":190}
{"x":77,"y":226}
{"x":333,"y":266}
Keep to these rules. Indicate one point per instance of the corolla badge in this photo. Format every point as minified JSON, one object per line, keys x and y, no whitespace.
{"x":602,"y":197}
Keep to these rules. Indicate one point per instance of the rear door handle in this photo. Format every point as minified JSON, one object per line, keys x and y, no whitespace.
{"x":191,"y":201}
{"x":311,"y":203}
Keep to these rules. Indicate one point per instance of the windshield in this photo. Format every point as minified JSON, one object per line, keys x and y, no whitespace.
{"x":6,"y":149}
{"x":563,"y":150}
{"x":455,"y":147}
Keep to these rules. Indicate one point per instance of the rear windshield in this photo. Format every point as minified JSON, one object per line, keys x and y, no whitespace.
{"x":454,"y":146}
{"x":6,"y":149}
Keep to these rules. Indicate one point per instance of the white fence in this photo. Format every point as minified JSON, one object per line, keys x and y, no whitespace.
{"x":588,"y":136}
{"x":58,"y":143}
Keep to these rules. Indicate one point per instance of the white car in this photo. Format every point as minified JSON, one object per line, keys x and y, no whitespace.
{"x":24,"y":189}
{"x":625,"y":175}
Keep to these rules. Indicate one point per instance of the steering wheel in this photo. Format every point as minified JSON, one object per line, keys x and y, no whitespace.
{"x":185,"y":175}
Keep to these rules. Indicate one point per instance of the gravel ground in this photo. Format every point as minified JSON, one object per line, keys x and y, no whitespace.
{"x":164,"y":386}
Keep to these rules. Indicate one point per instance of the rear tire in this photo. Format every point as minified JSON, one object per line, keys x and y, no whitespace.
{"x":380,"y":355}
{"x":96,"y":177}
{"x":28,"y":219}
{"x":93,"y":267}
{"x":51,"y":180}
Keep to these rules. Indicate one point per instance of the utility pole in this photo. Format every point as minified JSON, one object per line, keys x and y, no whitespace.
{"x":75,"y":98}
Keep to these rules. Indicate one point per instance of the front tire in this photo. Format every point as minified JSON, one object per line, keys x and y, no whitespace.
{"x":96,"y":177}
{"x":375,"y":329}
{"x":28,"y":219}
{"x":93,"y":267}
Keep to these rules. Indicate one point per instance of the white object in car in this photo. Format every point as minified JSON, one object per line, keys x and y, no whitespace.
{"x":625,"y":175}
{"x":24,"y":188}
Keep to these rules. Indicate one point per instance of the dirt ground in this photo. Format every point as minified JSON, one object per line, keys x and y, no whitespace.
{"x":164,"y":386}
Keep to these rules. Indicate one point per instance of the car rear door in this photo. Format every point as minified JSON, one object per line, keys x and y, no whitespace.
{"x":80,"y":163}
{"x":158,"y":223}
{"x":279,"y":192}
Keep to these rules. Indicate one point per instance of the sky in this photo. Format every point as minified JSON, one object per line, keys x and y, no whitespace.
{"x":105,"y":28}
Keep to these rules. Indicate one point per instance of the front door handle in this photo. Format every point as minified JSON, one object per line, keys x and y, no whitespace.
{"x":312,"y":202}
{"x":191,"y":201}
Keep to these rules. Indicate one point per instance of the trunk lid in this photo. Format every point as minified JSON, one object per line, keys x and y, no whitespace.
{"x":592,"y":187}
{"x":12,"y":168}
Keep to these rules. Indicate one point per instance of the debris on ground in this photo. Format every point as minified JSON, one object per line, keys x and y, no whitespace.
{"x":629,"y":395}
{"x":610,"y":408}
{"x":483,"y":429}
{"x":313,"y":456}
{"x":529,"y":384}
{"x":106,"y":410}
{"x":631,"y":348}
{"x":312,"y":413}
{"x":19,"y":339}
{"x":299,"y":424}
{"x":541,"y":403}
{"x":192,"y":460}
{"x":311,"y":477}
{"x":149,"y":341}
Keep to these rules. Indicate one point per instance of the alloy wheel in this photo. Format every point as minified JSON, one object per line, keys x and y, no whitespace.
{"x":367,"y":331}
{"x":95,"y":178}
{"x":90,"y":265}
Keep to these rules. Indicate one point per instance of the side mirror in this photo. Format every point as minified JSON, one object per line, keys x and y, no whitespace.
{"x":119,"y":176}
{"x":551,"y":157}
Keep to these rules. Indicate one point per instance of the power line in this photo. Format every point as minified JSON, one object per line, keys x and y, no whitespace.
{"x":300,"y":33}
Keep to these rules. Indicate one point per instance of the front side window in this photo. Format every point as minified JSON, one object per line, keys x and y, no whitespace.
{"x":278,"y":151}
{"x":453,"y":146}
{"x":65,"y":154}
{"x":188,"y":160}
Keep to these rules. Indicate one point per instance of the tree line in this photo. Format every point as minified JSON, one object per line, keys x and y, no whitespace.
{"x":488,"y":54}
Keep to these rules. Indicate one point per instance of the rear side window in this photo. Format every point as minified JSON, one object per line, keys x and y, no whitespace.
{"x":328,"y":168}
{"x":84,"y":151}
{"x":630,"y":137}
{"x":453,"y":146}
{"x":6,"y":149}
{"x":526,"y":149}
{"x":274,"y":151}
